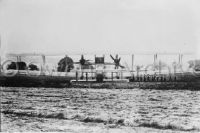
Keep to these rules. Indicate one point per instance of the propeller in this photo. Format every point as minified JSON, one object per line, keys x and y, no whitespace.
{"x":83,"y":61}
{"x":117,"y":61}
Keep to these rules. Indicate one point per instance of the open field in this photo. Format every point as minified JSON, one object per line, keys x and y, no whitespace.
{"x":99,"y":110}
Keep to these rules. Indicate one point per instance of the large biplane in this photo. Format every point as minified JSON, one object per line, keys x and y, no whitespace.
{"x":94,"y":69}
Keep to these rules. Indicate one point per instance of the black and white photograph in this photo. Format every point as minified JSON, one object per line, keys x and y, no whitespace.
{"x":100,"y":66}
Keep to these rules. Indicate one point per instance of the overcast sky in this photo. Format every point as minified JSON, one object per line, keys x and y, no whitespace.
{"x":100,"y":25}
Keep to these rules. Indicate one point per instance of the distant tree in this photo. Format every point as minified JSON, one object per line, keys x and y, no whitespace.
{"x":33,"y":67}
{"x":138,"y":68}
{"x":160,"y":65}
{"x":65,"y":64}
{"x":195,"y":64}
{"x":17,"y":65}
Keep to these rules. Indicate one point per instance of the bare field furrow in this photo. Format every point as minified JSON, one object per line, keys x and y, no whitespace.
{"x":174,"y":110}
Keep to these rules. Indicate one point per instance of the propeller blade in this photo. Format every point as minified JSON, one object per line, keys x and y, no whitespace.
{"x":121,"y":66}
{"x":116,"y":56}
{"x":82,"y":57}
{"x":119,"y":59}
{"x":112,"y":57}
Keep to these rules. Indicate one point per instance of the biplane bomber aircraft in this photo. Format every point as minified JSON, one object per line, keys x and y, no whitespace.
{"x":79,"y":70}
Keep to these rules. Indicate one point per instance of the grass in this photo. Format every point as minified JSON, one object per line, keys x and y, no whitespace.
{"x":33,"y":114}
{"x":141,"y":85}
{"x":156,"y":125}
